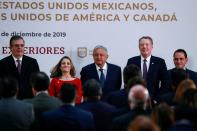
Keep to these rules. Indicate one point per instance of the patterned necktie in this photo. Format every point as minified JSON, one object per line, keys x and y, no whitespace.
{"x":102,"y":77}
{"x":144,"y":69}
{"x":18,"y":66}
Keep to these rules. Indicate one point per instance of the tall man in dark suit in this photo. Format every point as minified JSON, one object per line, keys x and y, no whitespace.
{"x":109,"y":75}
{"x":180,"y":60}
{"x":153,"y":68}
{"x":19,"y":66}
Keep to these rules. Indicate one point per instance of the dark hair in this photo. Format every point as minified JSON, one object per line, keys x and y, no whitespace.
{"x":177,"y":75}
{"x":129,"y":72}
{"x":163,"y":115}
{"x":9,"y":86}
{"x":68,"y":93}
{"x":56,"y":71}
{"x":39,"y":81}
{"x":146,"y":37}
{"x":180,"y":51}
{"x":135,"y":81}
{"x":92,"y":89}
{"x":16,"y":37}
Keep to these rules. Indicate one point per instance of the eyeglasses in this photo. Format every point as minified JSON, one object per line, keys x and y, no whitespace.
{"x":17,"y":46}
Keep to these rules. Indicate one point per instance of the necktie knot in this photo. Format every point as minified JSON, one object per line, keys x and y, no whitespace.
{"x":101,"y":70}
{"x":145,"y":60}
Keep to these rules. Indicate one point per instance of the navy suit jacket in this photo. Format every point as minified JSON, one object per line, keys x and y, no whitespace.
{"x":121,"y":123}
{"x":157,"y":77}
{"x":29,"y":66}
{"x":191,"y":75}
{"x":102,"y":113}
{"x":113,"y":79}
{"x":119,"y":98}
{"x":68,"y":118}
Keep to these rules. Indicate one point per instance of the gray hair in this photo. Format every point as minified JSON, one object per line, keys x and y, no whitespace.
{"x":138,"y":96}
{"x":100,"y":47}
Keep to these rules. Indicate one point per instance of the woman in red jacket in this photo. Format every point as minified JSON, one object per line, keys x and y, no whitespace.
{"x":63,"y":72}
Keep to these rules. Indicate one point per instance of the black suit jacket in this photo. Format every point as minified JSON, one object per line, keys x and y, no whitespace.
{"x":67,"y":118}
{"x":113,"y":79}
{"x":29,"y":66}
{"x":121,"y":123}
{"x":119,"y":98}
{"x":102,"y":113}
{"x":191,"y":75}
{"x":157,"y":76}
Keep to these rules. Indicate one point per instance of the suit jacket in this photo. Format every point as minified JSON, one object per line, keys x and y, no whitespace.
{"x":119,"y":98}
{"x":157,"y":77}
{"x":102,"y":113}
{"x":121,"y":123}
{"x":68,"y":118}
{"x":191,"y":75}
{"x":15,"y":115}
{"x":43,"y":102}
{"x":29,"y":66}
{"x":113,"y":79}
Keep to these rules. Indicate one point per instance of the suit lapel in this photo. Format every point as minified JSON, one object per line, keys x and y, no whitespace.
{"x":151,"y":66}
{"x":139,"y":62}
{"x":108,"y":72}
{"x":12,"y":64}
{"x":95,"y":73}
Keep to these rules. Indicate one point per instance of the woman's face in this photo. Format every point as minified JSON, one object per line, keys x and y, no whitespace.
{"x":65,"y":65}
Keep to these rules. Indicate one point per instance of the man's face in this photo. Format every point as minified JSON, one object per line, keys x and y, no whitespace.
{"x":180,"y":60}
{"x":17,"y":48}
{"x":145,"y":47}
{"x":100,"y":57}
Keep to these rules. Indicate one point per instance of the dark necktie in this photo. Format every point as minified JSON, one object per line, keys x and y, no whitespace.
{"x":144,"y":69}
{"x":102,"y":77}
{"x":18,"y":66}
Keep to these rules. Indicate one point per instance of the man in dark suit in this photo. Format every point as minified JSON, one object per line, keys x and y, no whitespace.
{"x":42,"y":101}
{"x":180,"y":60}
{"x":15,"y":115}
{"x":153,"y":68}
{"x":102,"y":111}
{"x":119,"y":98}
{"x":109,"y":75}
{"x":68,"y":117}
{"x":19,"y":66}
{"x":138,"y":98}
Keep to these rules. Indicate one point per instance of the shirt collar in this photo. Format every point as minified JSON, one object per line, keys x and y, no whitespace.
{"x":104,"y":67}
{"x":40,"y":92}
{"x":147,"y":59}
{"x":17,"y":59}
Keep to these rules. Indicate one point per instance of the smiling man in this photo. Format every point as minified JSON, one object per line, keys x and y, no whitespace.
{"x":180,"y":61}
{"x":109,"y":75}
{"x":19,"y":66}
{"x":154,"y":70}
